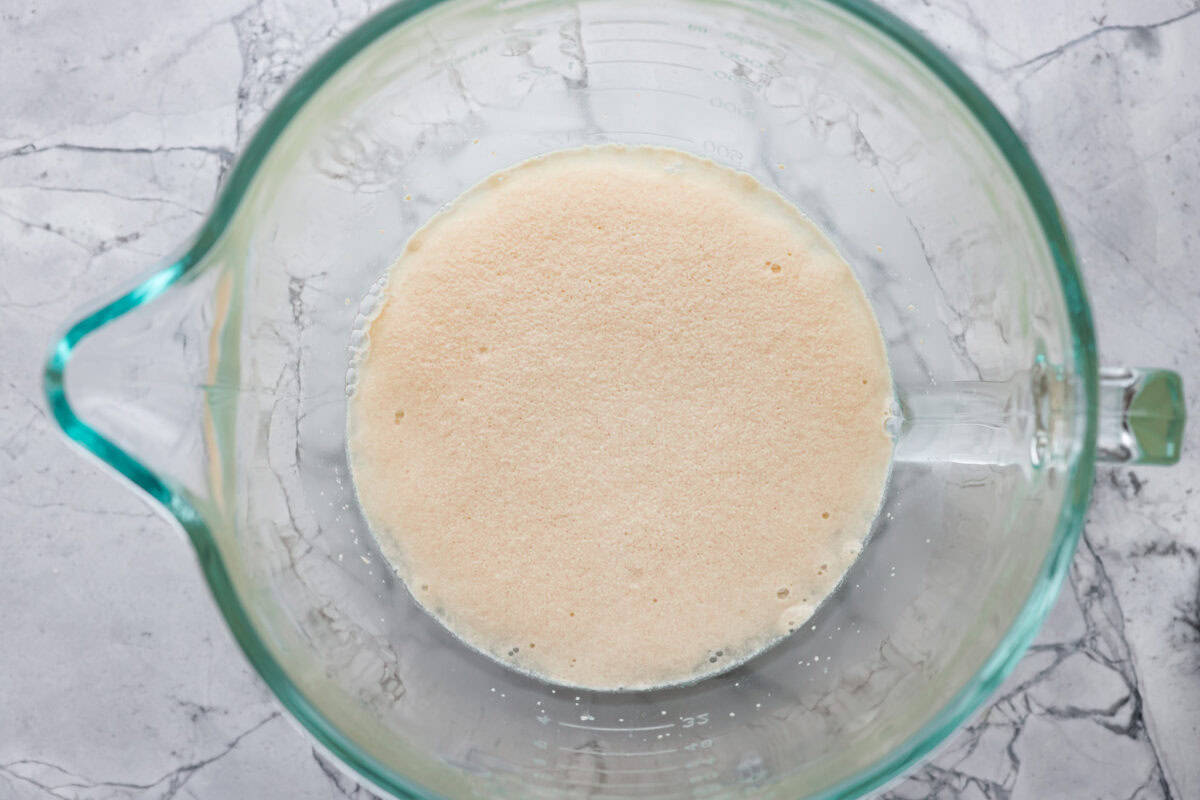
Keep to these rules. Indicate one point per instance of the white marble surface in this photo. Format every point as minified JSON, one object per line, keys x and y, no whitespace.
{"x":117,"y":678}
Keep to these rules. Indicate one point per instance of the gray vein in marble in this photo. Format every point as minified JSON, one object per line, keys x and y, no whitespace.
{"x":53,"y":780}
{"x":344,"y":786}
{"x":1141,"y":37}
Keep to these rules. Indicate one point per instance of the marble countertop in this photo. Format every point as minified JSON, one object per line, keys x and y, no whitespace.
{"x":117,"y":677}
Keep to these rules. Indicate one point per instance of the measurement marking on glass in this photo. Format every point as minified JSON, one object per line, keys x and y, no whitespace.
{"x":644,"y":61}
{"x":632,"y":787}
{"x":646,"y":89}
{"x":648,"y":41}
{"x":649,"y":133}
{"x":643,"y":771}
{"x":617,"y":730}
{"x":589,"y":752}
{"x":630,"y":22}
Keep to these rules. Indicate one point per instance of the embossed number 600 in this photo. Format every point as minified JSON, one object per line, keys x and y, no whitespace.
{"x":723,"y":151}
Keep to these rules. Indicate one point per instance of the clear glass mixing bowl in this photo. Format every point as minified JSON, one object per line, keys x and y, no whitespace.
{"x":218,"y":385}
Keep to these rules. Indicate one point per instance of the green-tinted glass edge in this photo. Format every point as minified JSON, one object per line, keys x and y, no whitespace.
{"x":1081,"y":470}
{"x":180,"y":506}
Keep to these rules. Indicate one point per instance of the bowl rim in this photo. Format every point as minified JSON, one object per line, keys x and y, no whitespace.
{"x":178,"y":503}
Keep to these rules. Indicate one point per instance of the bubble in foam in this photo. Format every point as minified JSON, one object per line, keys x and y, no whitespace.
{"x":360,"y":339}
{"x":795,"y":615}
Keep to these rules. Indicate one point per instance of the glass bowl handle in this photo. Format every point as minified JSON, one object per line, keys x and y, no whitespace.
{"x":1142,"y":415}
{"x":1018,"y":421}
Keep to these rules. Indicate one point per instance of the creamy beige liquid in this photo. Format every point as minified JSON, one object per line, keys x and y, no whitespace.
{"x":620,"y":418}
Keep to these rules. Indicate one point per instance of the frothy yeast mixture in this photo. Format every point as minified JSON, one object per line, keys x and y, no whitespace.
{"x":620,"y":419}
